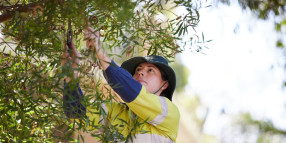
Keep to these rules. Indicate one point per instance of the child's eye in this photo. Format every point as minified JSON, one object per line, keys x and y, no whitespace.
{"x":151,"y":70}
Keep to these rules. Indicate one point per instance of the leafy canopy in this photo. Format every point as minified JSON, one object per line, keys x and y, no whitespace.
{"x":33,"y":35}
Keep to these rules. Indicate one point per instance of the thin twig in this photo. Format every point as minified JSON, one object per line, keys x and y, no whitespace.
{"x":9,"y":46}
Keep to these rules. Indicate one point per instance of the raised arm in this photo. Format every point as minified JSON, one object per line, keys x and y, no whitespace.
{"x":93,"y":42}
{"x":72,"y":96}
{"x":158,"y":110}
{"x":128,"y":87}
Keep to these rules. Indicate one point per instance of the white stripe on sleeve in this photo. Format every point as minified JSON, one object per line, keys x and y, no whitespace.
{"x":160,"y":118}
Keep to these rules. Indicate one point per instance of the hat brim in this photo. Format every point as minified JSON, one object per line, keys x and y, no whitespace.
{"x":131,"y":64}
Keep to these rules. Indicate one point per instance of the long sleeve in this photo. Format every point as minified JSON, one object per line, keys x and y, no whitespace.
{"x":159,"y":111}
{"x":72,"y":101}
{"x":122,"y":82}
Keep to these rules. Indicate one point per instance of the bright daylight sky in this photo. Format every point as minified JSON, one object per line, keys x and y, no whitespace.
{"x":240,"y":72}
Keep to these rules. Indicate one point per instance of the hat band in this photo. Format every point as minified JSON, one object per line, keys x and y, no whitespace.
{"x":161,"y":87}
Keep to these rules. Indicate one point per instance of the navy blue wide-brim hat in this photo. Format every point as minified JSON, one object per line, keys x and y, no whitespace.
{"x":131,"y":64}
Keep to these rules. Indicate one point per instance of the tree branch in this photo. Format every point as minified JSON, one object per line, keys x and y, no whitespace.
{"x":8,"y":15}
{"x":2,"y":7}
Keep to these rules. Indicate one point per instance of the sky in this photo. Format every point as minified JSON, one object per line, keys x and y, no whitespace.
{"x":241,"y":71}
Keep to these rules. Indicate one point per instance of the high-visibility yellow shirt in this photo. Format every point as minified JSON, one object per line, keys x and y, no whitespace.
{"x":145,"y":116}
{"x":161,"y":114}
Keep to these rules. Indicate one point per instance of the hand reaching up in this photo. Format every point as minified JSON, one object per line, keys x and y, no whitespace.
{"x":70,"y":58}
{"x":93,"y":42}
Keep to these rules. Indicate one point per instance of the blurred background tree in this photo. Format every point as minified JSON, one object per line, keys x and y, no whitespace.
{"x":33,"y":36}
{"x":245,"y":128}
{"x":268,"y":10}
{"x":182,"y":74}
{"x":273,"y":10}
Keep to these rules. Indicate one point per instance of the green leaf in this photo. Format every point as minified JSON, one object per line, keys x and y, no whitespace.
{"x":179,"y":28}
{"x":149,"y":51}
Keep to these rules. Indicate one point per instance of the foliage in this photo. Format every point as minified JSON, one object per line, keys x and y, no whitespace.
{"x":181,"y":73}
{"x":267,"y":132}
{"x":263,"y":8}
{"x":266,"y":9}
{"x":34,"y":34}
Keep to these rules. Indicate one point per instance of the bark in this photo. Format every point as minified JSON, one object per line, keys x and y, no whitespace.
{"x":8,"y":15}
